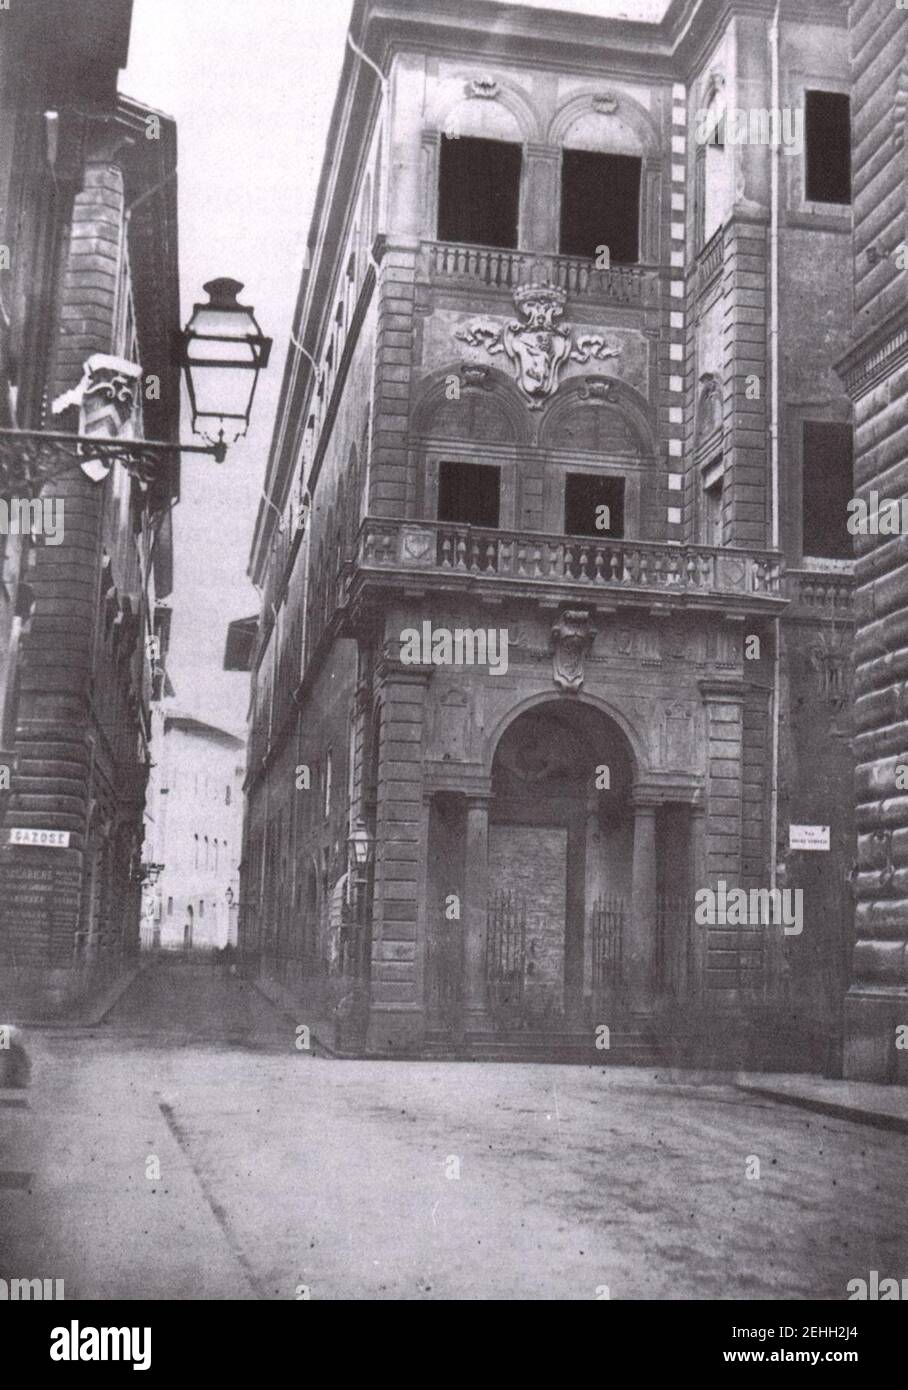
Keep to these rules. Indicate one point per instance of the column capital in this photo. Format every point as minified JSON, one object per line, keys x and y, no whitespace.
{"x":646,"y":799}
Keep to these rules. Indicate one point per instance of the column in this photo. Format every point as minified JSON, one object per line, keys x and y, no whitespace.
{"x":698,"y":945}
{"x":542,"y":198}
{"x":475,"y":912}
{"x":640,"y":942}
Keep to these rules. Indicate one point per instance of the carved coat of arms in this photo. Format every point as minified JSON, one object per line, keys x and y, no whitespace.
{"x":572,"y":638}
{"x":540,"y":346}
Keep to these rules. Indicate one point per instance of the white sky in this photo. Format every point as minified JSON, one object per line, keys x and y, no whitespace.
{"x":251,"y":84}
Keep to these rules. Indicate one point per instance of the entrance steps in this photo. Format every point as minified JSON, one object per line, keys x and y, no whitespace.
{"x":630,"y":1044}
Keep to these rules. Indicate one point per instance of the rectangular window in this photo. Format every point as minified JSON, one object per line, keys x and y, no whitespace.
{"x":469,"y":493}
{"x":827,"y":486}
{"x":600,"y":205}
{"x":713,"y":520}
{"x":827,"y":136}
{"x":479,"y":191}
{"x":593,"y":506}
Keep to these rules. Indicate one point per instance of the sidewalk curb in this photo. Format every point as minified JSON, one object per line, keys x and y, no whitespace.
{"x":840,"y":1110}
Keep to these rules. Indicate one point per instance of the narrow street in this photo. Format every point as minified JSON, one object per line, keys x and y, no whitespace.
{"x":414,"y":1180}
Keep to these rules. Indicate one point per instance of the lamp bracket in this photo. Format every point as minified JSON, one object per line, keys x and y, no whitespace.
{"x":31,"y":458}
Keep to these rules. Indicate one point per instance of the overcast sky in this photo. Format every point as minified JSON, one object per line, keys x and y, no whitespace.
{"x":251,"y":84}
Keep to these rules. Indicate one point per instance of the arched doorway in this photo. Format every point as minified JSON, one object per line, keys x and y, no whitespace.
{"x":541,"y":879}
{"x":560,"y":859}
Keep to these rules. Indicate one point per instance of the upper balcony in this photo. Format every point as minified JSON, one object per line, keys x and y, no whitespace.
{"x":446,"y":263}
{"x":815,"y":593}
{"x":449,"y":556}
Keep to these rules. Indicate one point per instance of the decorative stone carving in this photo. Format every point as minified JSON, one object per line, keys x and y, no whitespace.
{"x":417,"y":546}
{"x":105,"y":399}
{"x":539,"y":347}
{"x":709,"y":406}
{"x":677,"y":736}
{"x":572,"y":638}
{"x":475,"y":375}
{"x":106,"y":394}
{"x":452,"y":722}
{"x":483,"y":87}
{"x":623,"y":641}
{"x":595,"y":389}
{"x":829,"y":658}
{"x":605,"y":105}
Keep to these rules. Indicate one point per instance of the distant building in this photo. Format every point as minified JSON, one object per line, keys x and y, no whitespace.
{"x":89,"y":298}
{"x":192,"y":834}
{"x":542,"y":401}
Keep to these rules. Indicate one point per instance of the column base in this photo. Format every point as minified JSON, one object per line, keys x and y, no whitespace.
{"x":872,"y":1017}
{"x":391,"y":1029}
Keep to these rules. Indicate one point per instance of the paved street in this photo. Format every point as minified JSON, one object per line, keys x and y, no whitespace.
{"x":280,"y":1169}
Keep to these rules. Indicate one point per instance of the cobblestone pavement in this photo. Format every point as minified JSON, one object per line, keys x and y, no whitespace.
{"x":415,"y":1180}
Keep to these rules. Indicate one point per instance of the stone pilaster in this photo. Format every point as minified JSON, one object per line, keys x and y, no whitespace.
{"x":397,"y":1016}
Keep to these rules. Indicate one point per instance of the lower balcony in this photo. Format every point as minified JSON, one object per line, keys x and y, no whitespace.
{"x":451,"y":556}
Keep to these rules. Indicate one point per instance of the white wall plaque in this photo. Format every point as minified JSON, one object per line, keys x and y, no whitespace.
{"x":808,"y":837}
{"x":47,"y":839}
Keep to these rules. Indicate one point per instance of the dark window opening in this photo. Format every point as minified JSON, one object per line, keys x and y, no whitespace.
{"x":827,"y":133}
{"x":827,"y":487}
{"x":479,"y":191}
{"x":713,"y":517}
{"x":593,"y":506}
{"x":469,"y":493}
{"x":600,"y":205}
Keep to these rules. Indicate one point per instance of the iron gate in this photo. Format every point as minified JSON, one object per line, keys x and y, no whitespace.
{"x":505,"y":956}
{"x":606,"y":931}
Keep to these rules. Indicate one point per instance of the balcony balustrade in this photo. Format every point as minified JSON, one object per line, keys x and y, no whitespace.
{"x":452,"y":263}
{"x":458,"y":553}
{"x":815,"y":589}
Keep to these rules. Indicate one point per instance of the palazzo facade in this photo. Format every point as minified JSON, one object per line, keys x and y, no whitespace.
{"x":563,"y":375}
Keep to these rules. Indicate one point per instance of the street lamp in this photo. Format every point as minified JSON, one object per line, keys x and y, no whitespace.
{"x":222,"y":351}
{"x":361,"y":849}
{"x":361,"y":845}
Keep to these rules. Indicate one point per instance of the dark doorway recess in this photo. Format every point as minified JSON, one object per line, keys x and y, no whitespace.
{"x":584,"y":493}
{"x":600,"y":205}
{"x":479,"y":191}
{"x":469,"y":493}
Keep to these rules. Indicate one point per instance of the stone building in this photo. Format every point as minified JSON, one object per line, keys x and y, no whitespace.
{"x":192,"y":834}
{"x":875,"y":371}
{"x":89,"y":292}
{"x":556,"y":581}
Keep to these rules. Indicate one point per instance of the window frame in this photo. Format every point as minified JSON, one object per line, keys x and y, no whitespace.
{"x":602,"y":154}
{"x":520,"y":147}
